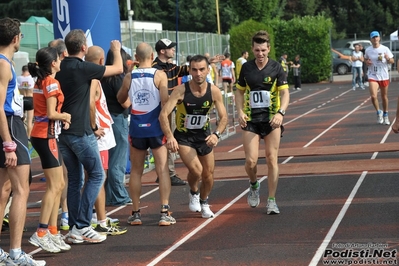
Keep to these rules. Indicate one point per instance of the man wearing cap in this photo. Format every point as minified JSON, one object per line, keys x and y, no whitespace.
{"x":377,"y":58}
{"x":166,"y":50}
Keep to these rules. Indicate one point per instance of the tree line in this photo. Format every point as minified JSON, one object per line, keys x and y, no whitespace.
{"x":349,"y":17}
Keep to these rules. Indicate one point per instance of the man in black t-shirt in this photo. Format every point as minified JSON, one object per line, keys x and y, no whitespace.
{"x":78,"y":144}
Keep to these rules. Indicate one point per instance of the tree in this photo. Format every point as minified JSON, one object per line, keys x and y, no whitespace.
{"x":258,"y":10}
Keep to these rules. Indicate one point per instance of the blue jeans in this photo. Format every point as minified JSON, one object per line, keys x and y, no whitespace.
{"x":78,"y":153}
{"x":116,"y":193}
{"x":355,"y":72}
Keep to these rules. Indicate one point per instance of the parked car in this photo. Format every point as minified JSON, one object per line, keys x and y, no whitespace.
{"x":364,"y":43}
{"x":340,"y":65}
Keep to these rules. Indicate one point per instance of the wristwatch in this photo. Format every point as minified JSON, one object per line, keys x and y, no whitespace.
{"x":281,"y":111}
{"x":217,"y":133}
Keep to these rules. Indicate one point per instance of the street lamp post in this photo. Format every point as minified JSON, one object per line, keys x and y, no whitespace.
{"x":130,"y":14}
{"x":217,"y":15}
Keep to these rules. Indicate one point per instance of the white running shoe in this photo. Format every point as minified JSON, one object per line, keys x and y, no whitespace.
{"x":386,"y":120}
{"x":44,"y":242}
{"x":87,"y":234}
{"x":59,"y":242}
{"x":272,"y":207}
{"x":194,"y":203}
{"x":380,"y":119}
{"x":206,"y":211}
{"x":253,"y":198}
{"x":26,"y":260}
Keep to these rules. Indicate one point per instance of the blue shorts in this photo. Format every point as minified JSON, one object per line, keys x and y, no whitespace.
{"x":145,"y":143}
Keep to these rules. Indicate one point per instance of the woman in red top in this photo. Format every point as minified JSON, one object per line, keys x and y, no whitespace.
{"x":47,"y":103}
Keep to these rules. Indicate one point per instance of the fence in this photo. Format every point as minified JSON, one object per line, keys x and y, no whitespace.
{"x":37,"y":36}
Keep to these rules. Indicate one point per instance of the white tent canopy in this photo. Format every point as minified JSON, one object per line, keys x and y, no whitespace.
{"x":394,"y":36}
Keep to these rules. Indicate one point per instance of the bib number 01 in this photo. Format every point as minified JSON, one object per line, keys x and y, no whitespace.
{"x":259,"y":99}
{"x":195,"y":121}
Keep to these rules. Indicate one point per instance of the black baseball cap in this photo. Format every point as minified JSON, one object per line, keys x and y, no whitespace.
{"x":164,"y":44}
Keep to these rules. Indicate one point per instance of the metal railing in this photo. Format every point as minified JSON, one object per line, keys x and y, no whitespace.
{"x":37,"y":36}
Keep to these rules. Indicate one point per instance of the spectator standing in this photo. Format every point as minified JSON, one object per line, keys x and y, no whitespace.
{"x":240,"y":61}
{"x":226,"y":70}
{"x":285,"y":64}
{"x":78,"y":144}
{"x":115,"y":190}
{"x":14,"y":158}
{"x":166,"y":51}
{"x":213,"y":76}
{"x":100,"y":117}
{"x":59,"y":44}
{"x":364,"y":67}
{"x":357,"y":67}
{"x":48,"y":99}
{"x":296,"y":68}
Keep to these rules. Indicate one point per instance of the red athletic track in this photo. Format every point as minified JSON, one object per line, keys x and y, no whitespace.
{"x":313,"y":191}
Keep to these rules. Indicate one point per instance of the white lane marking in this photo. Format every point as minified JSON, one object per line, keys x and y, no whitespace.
{"x":319,"y":253}
{"x":199,"y":228}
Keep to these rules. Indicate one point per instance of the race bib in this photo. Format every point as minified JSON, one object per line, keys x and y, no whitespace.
{"x":377,"y":70}
{"x":259,"y":99}
{"x":195,"y":121}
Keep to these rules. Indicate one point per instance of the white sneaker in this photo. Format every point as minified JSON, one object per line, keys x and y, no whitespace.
{"x":366,"y":84}
{"x":194,"y":204}
{"x":272,"y":207}
{"x":25,"y":259}
{"x":386,"y":120}
{"x":87,"y":234}
{"x":64,"y":224}
{"x":380,"y":119}
{"x":3,"y":257}
{"x":206,"y":211}
{"x":253,"y":198}
{"x":44,"y":242}
{"x":59,"y":242}
{"x":353,"y":88}
{"x":298,"y":89}
{"x":357,"y":85}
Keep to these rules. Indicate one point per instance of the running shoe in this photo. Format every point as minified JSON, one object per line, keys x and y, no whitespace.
{"x":113,"y":221}
{"x":3,"y":257}
{"x":26,"y":260}
{"x":174,"y":181}
{"x":272,"y":207}
{"x":109,"y":229}
{"x":253,"y":198}
{"x":386,"y":120}
{"x":206,"y":211}
{"x":380,"y":119}
{"x":68,"y":238}
{"x":59,"y":242}
{"x":194,"y":203}
{"x":166,"y":219}
{"x":134,"y":219}
{"x":44,"y":242}
{"x":64,"y":224}
{"x":87,"y":234}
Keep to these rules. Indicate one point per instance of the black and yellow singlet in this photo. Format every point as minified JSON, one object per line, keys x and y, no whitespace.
{"x":262,"y":89}
{"x":192,"y":114}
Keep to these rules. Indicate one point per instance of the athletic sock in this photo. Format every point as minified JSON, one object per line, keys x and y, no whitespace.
{"x":254,"y":185}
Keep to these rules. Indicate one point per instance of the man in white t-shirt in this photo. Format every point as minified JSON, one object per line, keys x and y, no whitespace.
{"x":357,"y":67}
{"x":378,"y":57}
